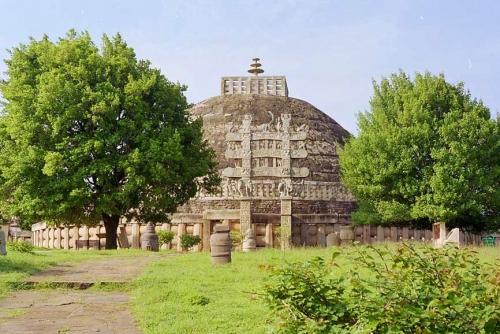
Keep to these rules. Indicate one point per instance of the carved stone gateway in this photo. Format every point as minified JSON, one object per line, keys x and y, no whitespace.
{"x":278,"y":164}
{"x":265,"y":152}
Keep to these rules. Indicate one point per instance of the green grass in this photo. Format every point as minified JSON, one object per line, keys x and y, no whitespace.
{"x":16,"y":266}
{"x":185,"y":293}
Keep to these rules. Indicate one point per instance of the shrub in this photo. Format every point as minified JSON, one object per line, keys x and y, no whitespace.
{"x":21,"y":247}
{"x":401,"y":290}
{"x":165,"y":237}
{"x":236,"y":238}
{"x":189,"y":240}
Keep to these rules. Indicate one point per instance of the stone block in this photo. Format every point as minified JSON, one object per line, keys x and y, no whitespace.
{"x":333,"y":239}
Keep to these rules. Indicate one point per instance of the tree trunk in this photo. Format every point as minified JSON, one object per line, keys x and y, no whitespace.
{"x":111,"y":225}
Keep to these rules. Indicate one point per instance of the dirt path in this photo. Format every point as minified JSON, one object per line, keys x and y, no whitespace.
{"x":75,"y":311}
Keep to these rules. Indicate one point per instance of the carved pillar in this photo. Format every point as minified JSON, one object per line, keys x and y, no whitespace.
{"x":286,"y":222}
{"x":136,"y":231}
{"x":245,"y":215}
{"x":65,"y":238}
{"x":76,"y":236}
{"x":321,"y":235}
{"x":198,"y":230}
{"x":268,"y":238}
{"x":181,"y":230}
{"x":206,"y":235}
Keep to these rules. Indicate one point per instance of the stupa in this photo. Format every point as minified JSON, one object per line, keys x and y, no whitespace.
{"x":278,"y":162}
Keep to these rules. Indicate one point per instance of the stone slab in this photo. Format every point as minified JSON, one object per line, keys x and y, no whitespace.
{"x":75,"y":311}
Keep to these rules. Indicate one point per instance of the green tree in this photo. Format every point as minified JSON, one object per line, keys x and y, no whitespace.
{"x":91,"y":134}
{"x":425,"y":152}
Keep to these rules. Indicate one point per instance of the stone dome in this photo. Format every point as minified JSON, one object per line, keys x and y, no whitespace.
{"x":224,"y":114}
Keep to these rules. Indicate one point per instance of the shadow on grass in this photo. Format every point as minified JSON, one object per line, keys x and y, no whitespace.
{"x":16,"y":266}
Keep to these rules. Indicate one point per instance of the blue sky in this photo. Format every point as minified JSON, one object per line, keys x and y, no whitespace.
{"x":329,"y":50}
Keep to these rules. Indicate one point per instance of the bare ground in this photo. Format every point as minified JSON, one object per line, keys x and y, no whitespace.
{"x":75,"y":311}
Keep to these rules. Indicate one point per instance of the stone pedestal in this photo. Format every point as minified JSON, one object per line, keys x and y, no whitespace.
{"x":286,"y":222}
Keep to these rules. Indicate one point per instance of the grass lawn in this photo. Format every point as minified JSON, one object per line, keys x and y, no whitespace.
{"x":185,"y":293}
{"x":16,"y":266}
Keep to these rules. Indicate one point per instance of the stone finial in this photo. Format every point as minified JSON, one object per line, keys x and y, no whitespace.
{"x":255,"y":67}
{"x":249,"y":244}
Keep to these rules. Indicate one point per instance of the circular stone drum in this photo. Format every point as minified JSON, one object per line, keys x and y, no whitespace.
{"x":220,"y":245}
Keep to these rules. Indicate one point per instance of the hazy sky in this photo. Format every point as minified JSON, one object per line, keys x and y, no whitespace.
{"x":329,"y":50}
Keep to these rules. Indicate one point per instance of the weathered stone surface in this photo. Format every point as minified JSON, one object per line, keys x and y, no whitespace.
{"x":333,"y":239}
{"x":249,"y":241}
{"x":3,"y":243}
{"x":224,"y":114}
{"x":71,"y":311}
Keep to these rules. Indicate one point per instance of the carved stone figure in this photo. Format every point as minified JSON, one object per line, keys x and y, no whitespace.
{"x":227,"y":186}
{"x":240,"y":187}
{"x":233,"y":187}
{"x":303,"y":128}
{"x":289,"y":187}
{"x":298,"y":188}
{"x":247,"y":120}
{"x":285,"y":118}
{"x":278,"y":125}
{"x":282,"y":188}
{"x":266,"y":127}
{"x":285,"y":187}
{"x":249,"y":188}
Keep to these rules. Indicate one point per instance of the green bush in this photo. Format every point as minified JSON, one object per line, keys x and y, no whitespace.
{"x":236,"y":238}
{"x":21,"y":247}
{"x":189,"y":240}
{"x":165,"y":237}
{"x":403,"y":290}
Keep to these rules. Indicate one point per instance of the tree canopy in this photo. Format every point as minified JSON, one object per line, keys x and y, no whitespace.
{"x":425,"y":152}
{"x":91,"y":134}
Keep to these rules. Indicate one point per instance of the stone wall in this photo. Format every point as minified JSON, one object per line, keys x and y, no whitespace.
{"x":307,"y":230}
{"x":319,"y":207}
{"x":67,"y":237}
{"x":200,"y":205}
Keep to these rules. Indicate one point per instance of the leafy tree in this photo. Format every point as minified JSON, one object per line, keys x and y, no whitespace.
{"x":91,"y":134}
{"x":425,"y":152}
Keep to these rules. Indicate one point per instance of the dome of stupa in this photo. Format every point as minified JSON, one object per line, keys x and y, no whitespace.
{"x":277,"y":156}
{"x":317,"y":152}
